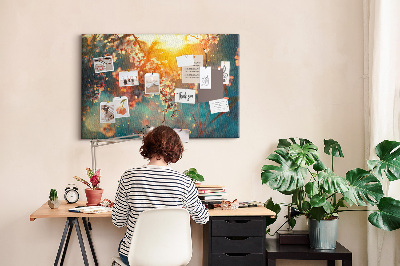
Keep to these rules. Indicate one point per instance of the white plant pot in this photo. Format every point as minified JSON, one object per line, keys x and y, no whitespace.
{"x":54,"y":204}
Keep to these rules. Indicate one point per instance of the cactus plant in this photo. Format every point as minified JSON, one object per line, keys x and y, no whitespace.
{"x":53,"y":202}
{"x":53,"y":195}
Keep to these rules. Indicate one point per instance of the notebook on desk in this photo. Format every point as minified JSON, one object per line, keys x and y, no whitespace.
{"x":90,"y":209}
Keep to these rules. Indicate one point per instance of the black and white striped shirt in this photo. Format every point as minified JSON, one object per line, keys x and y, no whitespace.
{"x":151,"y":187}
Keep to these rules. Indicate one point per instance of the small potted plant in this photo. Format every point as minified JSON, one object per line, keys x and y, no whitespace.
{"x":194,"y":175}
{"x":320,"y":194}
{"x":93,"y":193}
{"x":53,"y":201}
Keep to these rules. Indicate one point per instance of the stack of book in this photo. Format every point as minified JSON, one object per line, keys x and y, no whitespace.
{"x":211,"y":194}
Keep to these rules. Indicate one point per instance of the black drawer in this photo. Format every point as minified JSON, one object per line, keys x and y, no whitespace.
{"x":237,"y":245}
{"x":237,"y":259}
{"x":238,"y":227}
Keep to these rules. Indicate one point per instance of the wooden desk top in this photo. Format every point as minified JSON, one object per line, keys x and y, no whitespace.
{"x":250,"y":211}
{"x":62,"y":211}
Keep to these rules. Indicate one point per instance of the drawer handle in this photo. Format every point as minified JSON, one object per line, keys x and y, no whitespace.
{"x":237,"y":254}
{"x":236,"y":237}
{"x":237,"y":221}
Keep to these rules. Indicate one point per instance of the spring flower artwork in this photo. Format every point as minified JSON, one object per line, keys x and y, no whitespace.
{"x":121,"y":66}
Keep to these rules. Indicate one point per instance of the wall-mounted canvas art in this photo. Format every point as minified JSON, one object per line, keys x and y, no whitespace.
{"x":134,"y":81}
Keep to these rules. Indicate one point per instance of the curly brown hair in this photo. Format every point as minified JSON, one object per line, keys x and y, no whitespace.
{"x":163,"y":142}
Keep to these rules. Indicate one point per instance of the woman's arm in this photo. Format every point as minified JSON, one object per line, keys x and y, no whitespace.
{"x":120,"y":208}
{"x":193,"y":205}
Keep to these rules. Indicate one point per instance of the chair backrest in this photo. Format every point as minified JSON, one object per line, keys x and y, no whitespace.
{"x":161,"y":237}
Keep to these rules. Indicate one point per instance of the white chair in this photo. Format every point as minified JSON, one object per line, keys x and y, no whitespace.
{"x":162,"y":237}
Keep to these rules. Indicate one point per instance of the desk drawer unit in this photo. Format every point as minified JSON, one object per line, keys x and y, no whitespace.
{"x":230,"y":240}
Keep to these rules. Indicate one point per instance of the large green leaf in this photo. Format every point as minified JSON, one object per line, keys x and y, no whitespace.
{"x":306,"y":206}
{"x":331,"y":183}
{"x":388,"y":216}
{"x":320,"y":201}
{"x":311,"y":189}
{"x":319,"y":166}
{"x":284,"y":143}
{"x":363,"y":188}
{"x":332,"y":146}
{"x":276,"y":208}
{"x":304,"y":155}
{"x":302,"y":141}
{"x":388,"y":153}
{"x":292,"y":222}
{"x":287,"y":176}
{"x":317,"y":213}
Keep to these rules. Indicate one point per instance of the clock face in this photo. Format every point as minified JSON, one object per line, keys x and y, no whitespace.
{"x":71,"y":196}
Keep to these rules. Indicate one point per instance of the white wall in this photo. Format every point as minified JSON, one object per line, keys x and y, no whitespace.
{"x":301,"y":75}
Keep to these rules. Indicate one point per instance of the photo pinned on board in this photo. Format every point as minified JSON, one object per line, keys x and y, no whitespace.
{"x":103,"y":64}
{"x":152,"y":83}
{"x":122,"y":106}
{"x":107,"y":112}
{"x":128,"y":78}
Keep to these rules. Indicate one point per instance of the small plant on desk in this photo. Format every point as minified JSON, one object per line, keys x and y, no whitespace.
{"x":53,"y":202}
{"x":93,"y":193}
{"x":194,"y":175}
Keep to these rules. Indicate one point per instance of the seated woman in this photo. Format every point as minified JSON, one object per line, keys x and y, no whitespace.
{"x":155,"y":185}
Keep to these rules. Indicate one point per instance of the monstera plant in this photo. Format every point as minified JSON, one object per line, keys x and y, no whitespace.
{"x":320,"y":194}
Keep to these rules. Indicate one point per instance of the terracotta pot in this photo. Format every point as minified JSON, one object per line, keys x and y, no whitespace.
{"x":93,"y":196}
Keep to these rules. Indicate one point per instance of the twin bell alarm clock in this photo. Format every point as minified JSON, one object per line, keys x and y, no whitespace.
{"x":71,"y":194}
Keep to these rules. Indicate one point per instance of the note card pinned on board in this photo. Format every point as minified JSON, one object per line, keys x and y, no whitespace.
{"x":185,"y":96}
{"x":191,"y":74}
{"x":205,"y":77}
{"x":217,"y":88}
{"x":219,"y":106}
{"x":226,"y":66}
{"x":185,"y":60}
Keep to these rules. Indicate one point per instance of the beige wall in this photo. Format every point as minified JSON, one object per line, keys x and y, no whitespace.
{"x":301,"y":75}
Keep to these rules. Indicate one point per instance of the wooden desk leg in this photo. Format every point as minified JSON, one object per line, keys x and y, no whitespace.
{"x":331,"y":263}
{"x":67,"y":225}
{"x":78,"y":232}
{"x":271,"y":262}
{"x":90,"y":241}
